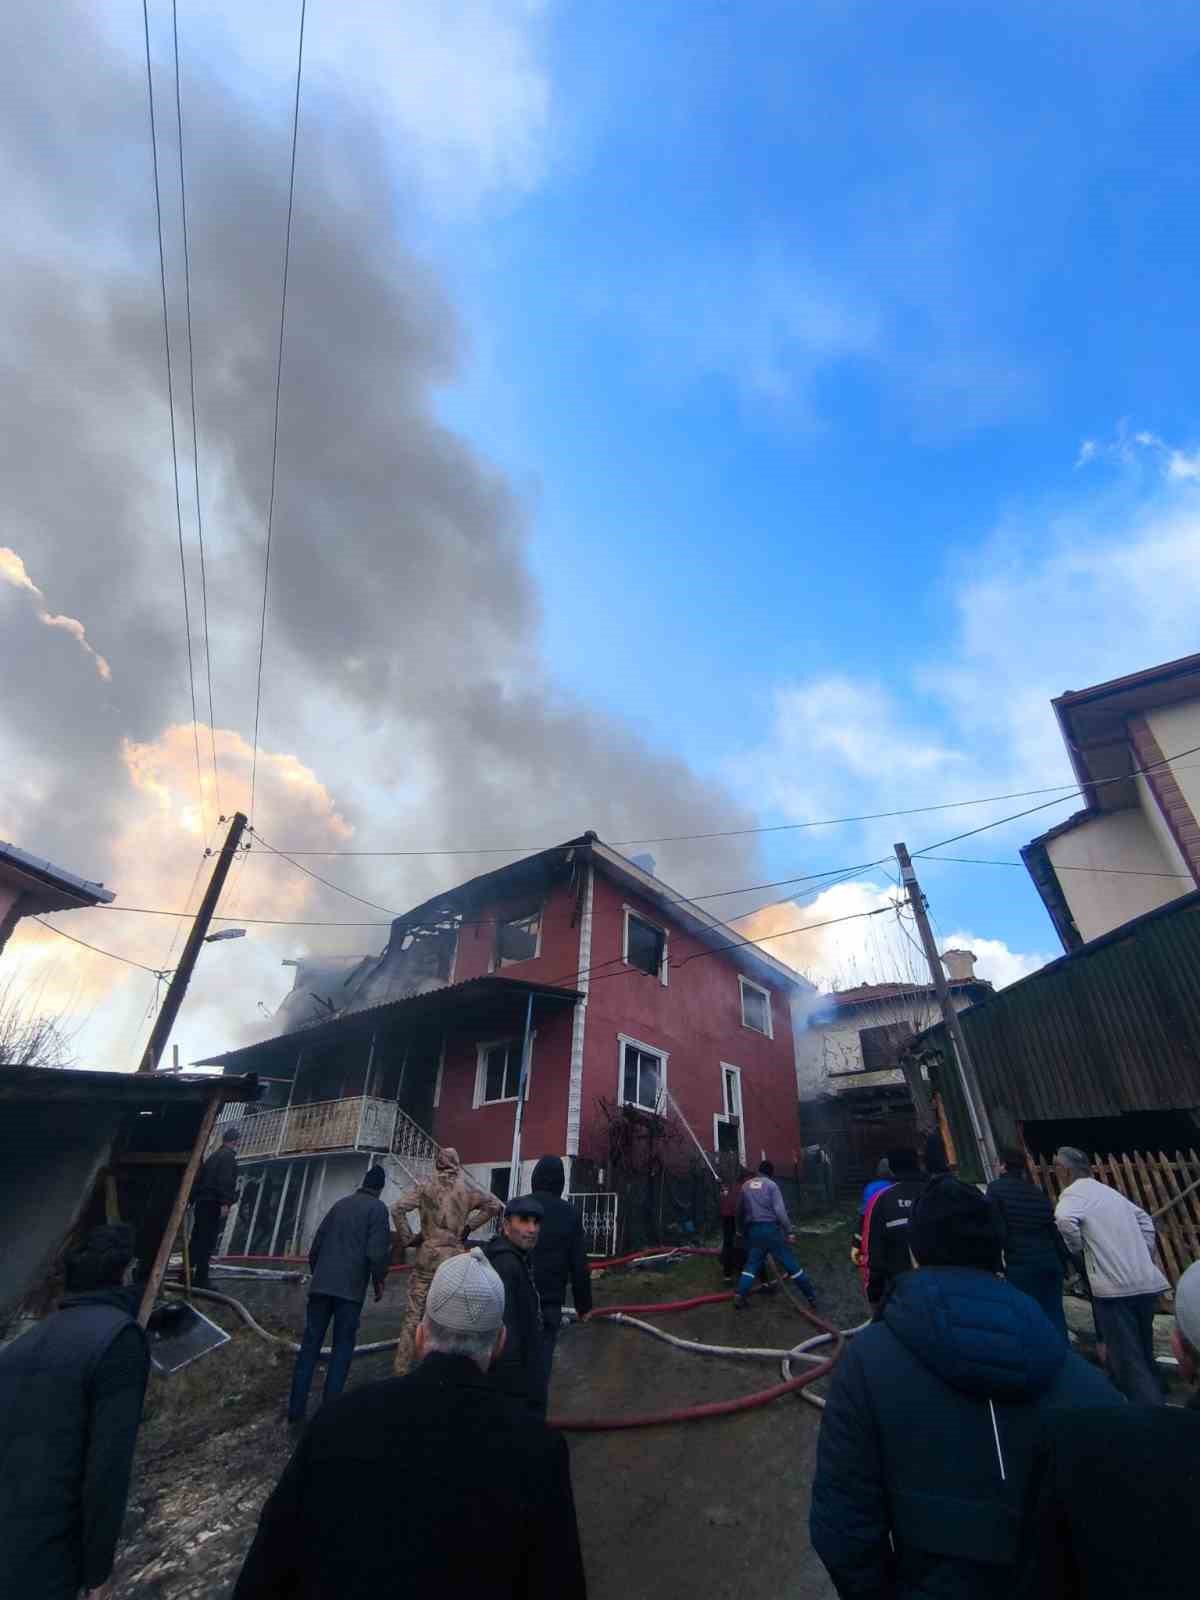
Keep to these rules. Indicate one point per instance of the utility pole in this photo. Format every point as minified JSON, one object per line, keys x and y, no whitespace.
{"x":165,"y":1020}
{"x":980,"y":1124}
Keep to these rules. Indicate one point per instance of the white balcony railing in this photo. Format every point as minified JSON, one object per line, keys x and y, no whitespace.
{"x":359,"y":1122}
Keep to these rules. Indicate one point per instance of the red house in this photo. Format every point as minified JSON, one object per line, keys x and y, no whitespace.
{"x":622,"y":1000}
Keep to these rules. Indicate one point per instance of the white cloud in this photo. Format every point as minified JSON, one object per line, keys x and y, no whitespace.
{"x":996,"y":962}
{"x":866,"y":941}
{"x":459,"y":88}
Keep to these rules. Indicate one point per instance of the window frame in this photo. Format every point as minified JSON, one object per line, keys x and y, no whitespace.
{"x":725,"y":1116}
{"x":664,"y":961}
{"x":625,"y":1040}
{"x":481,"y":1055}
{"x":748,"y":983}
{"x":498,"y":963}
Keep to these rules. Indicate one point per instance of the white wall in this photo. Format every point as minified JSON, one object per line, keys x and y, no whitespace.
{"x":831,"y":1044}
{"x":1100,"y":901}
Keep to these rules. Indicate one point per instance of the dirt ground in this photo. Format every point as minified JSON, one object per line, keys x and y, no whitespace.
{"x":693,"y":1509}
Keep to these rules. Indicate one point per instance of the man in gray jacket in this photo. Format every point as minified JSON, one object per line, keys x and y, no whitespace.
{"x":768,"y":1231}
{"x":351,"y":1247}
{"x":1117,"y":1240}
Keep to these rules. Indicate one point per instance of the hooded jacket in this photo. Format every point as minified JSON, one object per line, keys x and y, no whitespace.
{"x":560,"y":1251}
{"x":929,"y":1436}
{"x":518,"y":1368}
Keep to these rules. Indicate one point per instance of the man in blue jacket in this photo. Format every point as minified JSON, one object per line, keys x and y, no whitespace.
{"x":934,"y":1415}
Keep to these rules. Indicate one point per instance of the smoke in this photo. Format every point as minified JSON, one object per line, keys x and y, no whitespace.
{"x":403,"y":669}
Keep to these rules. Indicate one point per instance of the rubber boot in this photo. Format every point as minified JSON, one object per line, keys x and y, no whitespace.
{"x":803,"y":1282}
{"x":740,"y":1302}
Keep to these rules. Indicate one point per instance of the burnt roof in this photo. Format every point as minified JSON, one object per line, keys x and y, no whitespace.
{"x":869,"y":993}
{"x":472,"y":995}
{"x":149,"y":1088}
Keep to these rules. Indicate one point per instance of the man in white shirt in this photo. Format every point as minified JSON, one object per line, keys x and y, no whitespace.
{"x":1116,"y":1239}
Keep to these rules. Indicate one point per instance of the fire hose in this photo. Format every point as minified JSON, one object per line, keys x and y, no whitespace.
{"x":629,"y":1315}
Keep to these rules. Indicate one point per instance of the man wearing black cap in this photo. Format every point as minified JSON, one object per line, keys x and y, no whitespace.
{"x":560,"y":1253}
{"x":887,"y":1241}
{"x":519,"y":1367}
{"x":932,"y":1423}
{"x":352,"y":1246}
{"x":215,"y":1192}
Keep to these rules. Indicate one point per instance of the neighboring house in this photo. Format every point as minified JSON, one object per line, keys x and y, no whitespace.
{"x":1136,"y":845}
{"x":854,"y":1099}
{"x":632,"y":1001}
{"x":1099,"y":1049}
{"x":29,"y":887}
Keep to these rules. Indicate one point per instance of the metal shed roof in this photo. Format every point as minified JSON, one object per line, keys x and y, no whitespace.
{"x":1110,"y":1028}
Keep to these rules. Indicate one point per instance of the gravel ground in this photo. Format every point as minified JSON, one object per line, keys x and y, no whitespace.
{"x":698,"y":1508}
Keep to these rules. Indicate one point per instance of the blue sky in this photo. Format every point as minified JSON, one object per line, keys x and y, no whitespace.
{"x":693,"y":415}
{"x":799,"y":338}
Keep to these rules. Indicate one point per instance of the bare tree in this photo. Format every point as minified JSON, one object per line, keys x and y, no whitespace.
{"x":28,"y":1037}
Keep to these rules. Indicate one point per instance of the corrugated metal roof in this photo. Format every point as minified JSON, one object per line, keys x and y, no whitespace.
{"x":1113,"y":1027}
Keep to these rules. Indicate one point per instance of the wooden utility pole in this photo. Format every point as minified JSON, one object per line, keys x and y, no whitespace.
{"x":165,"y":1020}
{"x":980,"y":1123}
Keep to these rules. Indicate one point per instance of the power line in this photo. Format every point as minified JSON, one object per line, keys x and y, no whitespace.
{"x":999,"y":822}
{"x":287,"y":252}
{"x":329,"y":884}
{"x":162,"y":273}
{"x":187,"y":284}
{"x":1122,"y":872}
{"x":111,"y":954}
{"x":1064,"y":790}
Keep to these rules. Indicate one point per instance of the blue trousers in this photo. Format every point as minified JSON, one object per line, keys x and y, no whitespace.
{"x":1125,"y":1324}
{"x":322,"y":1308}
{"x":1043,"y":1282}
{"x":764,"y":1239}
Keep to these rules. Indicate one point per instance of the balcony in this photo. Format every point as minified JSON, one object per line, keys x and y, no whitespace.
{"x":360,"y":1122}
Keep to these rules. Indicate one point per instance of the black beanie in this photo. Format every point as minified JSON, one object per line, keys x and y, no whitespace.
{"x":375,"y":1179}
{"x":954,"y":1225}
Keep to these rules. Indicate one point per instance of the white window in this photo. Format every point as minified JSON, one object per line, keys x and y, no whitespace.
{"x":642,"y":1079}
{"x":645,"y":946}
{"x":729,"y":1129}
{"x":499,"y":1071}
{"x":756,"y":1007}
{"x":518,"y":937}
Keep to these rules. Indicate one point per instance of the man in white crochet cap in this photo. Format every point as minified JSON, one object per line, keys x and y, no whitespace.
{"x":437,"y":1481}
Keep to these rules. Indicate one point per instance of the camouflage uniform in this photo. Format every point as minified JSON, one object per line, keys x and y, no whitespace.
{"x":450,"y":1205}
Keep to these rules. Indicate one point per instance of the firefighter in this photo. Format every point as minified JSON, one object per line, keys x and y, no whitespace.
{"x":450,"y":1206}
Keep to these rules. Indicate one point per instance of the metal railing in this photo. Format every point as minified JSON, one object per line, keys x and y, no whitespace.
{"x":412,"y":1146}
{"x":358,"y":1122}
{"x":598,"y":1214}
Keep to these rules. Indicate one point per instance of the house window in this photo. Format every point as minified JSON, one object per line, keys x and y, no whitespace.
{"x":643,"y":1075}
{"x":498,"y":1072}
{"x":729,"y":1133}
{"x":645,"y":946}
{"x":519,"y":937}
{"x":499,"y":1181}
{"x":881,"y":1046}
{"x":756,"y":1007}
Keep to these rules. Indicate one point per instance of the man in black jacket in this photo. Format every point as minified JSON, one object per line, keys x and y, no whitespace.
{"x":1033,"y":1251}
{"x":433,"y":1484}
{"x":887,"y":1242}
{"x":215,"y":1192}
{"x":352,"y":1245}
{"x":559,"y":1253}
{"x":519,"y":1367}
{"x":1118,"y":1492}
{"x":71,"y":1393}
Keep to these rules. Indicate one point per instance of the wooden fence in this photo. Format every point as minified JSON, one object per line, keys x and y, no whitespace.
{"x":1162,"y":1185}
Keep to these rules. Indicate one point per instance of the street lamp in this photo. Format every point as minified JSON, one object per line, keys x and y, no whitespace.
{"x":225,"y":933}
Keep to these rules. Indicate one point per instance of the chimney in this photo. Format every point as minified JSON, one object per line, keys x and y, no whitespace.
{"x":960,"y":964}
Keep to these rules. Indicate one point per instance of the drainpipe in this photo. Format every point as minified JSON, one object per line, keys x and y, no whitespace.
{"x":519,"y":1115}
